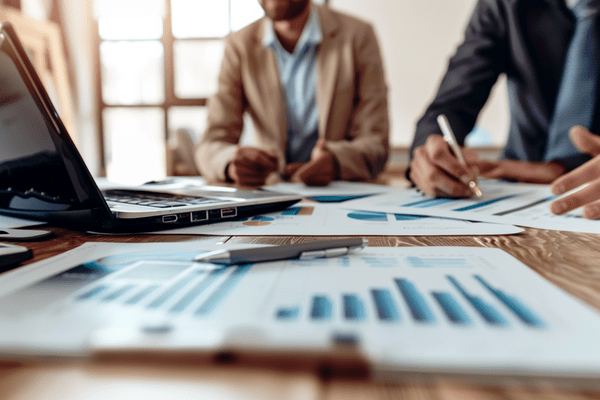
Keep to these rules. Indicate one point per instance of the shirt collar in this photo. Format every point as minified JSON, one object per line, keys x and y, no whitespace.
{"x":311,"y":34}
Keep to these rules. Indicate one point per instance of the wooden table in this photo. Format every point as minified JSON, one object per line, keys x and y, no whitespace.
{"x":569,"y":260}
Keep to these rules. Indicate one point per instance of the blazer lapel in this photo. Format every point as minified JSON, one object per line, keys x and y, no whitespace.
{"x":327,"y":64}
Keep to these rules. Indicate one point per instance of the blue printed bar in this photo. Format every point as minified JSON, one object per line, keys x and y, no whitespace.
{"x":428,"y":203}
{"x":224,"y":290}
{"x":380,"y":262}
{"x":353,"y":307}
{"x":419,"y":262}
{"x":518,"y":308}
{"x":321,"y":308}
{"x":169,"y":293}
{"x":385,"y":305}
{"x":288,"y":313}
{"x":485,"y":203}
{"x":416,"y":302}
{"x":196,"y":291}
{"x":291,"y":211}
{"x":91,"y":293}
{"x":117,"y":293}
{"x":487,"y":311}
{"x":136,"y":298}
{"x":452,"y":309}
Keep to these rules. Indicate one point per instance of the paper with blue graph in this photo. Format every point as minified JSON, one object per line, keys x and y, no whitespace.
{"x":316,"y":219}
{"x":442,"y":310}
{"x":502,"y":202}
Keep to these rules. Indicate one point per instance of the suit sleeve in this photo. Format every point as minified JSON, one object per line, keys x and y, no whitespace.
{"x":472,"y":72}
{"x":225,"y":119}
{"x":364,"y":156}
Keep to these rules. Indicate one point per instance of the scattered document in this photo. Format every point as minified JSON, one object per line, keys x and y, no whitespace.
{"x":7,"y":222}
{"x":502,"y":202}
{"x":316,"y":219}
{"x":441,"y":310}
{"x":336,"y":191}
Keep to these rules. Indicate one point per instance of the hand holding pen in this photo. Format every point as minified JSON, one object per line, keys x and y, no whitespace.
{"x":439,"y":170}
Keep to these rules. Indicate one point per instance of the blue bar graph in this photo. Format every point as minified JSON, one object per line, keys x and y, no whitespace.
{"x":136,"y":298}
{"x":519,"y":309}
{"x":196,"y":291}
{"x":368,"y":216}
{"x":225,"y":289}
{"x":170,"y":292}
{"x":291,"y":211}
{"x":91,"y":293}
{"x":406,"y":217}
{"x":451,"y":308}
{"x":485,"y":203}
{"x":428,"y":203}
{"x":287,"y":313}
{"x":354,"y":309}
{"x":385,"y":305}
{"x":380,"y":262}
{"x":321,"y":308}
{"x":343,"y":262}
{"x":117,"y":293}
{"x":487,"y":311}
{"x":419,"y":262}
{"x":416,"y":302}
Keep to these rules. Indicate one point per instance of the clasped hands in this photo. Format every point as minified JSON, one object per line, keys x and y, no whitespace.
{"x":251,"y":167}
{"x":436,"y":172}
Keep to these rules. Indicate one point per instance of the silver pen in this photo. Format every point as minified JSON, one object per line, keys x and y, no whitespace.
{"x":302,"y":251}
{"x":453,"y":143}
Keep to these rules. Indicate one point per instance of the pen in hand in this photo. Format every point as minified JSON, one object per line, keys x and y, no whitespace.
{"x":302,"y":251}
{"x":453,"y":143}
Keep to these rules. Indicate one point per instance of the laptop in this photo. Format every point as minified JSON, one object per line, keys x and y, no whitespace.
{"x":43,"y":176}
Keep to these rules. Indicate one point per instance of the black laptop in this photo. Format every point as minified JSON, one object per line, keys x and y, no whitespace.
{"x":43,"y":176}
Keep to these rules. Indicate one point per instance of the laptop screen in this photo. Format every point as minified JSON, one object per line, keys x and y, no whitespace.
{"x":40,"y":169}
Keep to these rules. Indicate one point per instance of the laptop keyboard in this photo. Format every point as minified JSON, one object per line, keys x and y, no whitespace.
{"x":156,"y":199}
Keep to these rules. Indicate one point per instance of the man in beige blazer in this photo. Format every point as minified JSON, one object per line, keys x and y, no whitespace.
{"x":351,"y":102}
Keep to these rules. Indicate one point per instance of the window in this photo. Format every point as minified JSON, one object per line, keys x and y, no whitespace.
{"x":157,"y":71}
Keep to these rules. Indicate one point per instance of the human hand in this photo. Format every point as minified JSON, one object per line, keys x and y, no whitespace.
{"x":250,"y":166}
{"x":320,"y":170}
{"x":437,"y":172}
{"x":589,"y":196}
{"x":521,"y":171}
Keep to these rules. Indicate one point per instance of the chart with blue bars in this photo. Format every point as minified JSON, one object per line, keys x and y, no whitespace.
{"x":397,"y":288}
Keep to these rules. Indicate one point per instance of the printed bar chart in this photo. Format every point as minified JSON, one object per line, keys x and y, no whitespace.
{"x":353,"y":307}
{"x":451,"y":308}
{"x":117,"y":293}
{"x":287,"y":313}
{"x":196,"y":291}
{"x":416,"y":302}
{"x":520,"y":310}
{"x":487,"y":311}
{"x":385,"y":305}
{"x":136,"y":298}
{"x":321,"y":308}
{"x":223,"y":291}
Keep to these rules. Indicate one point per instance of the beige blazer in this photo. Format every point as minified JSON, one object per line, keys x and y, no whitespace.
{"x":351,"y":96}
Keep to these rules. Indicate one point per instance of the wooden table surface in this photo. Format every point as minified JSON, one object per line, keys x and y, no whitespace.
{"x":569,"y":260}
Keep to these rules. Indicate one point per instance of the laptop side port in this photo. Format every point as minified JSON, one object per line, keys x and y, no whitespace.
{"x":199,"y":216}
{"x":169,"y":218}
{"x":228,"y":212}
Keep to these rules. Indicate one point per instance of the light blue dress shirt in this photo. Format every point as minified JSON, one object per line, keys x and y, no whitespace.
{"x":298,"y":76}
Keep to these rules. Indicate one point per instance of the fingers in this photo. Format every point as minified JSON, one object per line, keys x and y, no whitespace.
{"x":584,"y":140}
{"x":436,"y":171}
{"x":588,"y":197}
{"x":319,"y":171}
{"x":583,"y":174}
{"x":250,"y":166}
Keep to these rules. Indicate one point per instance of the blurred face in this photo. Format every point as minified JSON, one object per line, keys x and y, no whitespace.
{"x":279,"y":10}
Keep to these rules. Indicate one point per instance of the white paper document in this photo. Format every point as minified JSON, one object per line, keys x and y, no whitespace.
{"x":335,"y":191}
{"x":403,"y":310}
{"x":316,"y":219}
{"x":502,"y":202}
{"x":7,"y":222}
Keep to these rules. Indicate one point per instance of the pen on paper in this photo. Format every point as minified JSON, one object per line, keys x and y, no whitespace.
{"x":453,"y":143}
{"x":302,"y":251}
